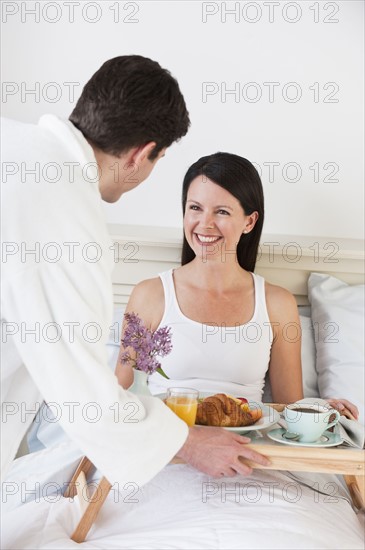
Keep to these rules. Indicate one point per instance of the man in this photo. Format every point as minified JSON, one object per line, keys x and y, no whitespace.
{"x":57,"y":264}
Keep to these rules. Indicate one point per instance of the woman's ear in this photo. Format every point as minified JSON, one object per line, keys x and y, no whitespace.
{"x":250,"y":222}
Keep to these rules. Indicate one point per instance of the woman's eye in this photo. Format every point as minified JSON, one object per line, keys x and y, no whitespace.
{"x":221,"y":211}
{"x":193,"y":207}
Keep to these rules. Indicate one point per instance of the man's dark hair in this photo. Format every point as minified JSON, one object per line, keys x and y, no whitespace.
{"x":130,"y":101}
{"x":240,"y":178}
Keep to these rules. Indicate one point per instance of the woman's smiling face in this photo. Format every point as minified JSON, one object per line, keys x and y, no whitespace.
{"x":213,"y":221}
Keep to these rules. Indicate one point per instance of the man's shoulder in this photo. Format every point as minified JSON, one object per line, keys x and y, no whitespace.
{"x":15,"y":129}
{"x":50,"y":139}
{"x":22,"y":139}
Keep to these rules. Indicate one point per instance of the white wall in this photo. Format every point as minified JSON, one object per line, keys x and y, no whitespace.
{"x":323,"y":130}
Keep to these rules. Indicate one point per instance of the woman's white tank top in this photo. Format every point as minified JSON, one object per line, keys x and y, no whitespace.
{"x":229,"y":359}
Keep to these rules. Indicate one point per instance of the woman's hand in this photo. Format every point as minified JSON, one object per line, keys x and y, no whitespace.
{"x":345,"y":407}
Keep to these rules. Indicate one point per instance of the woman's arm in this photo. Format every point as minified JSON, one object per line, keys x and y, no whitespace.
{"x":285,"y":369}
{"x":148,"y":302}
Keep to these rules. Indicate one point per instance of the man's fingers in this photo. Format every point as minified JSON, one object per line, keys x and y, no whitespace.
{"x":242,"y":439}
{"x":227,"y":472}
{"x":242,"y":468}
{"x":254,"y":457}
{"x":217,"y":452}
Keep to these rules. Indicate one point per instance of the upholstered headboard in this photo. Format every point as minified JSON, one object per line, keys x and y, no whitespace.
{"x":141,"y":252}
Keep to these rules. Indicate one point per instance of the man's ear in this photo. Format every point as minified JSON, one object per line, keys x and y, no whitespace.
{"x":140,"y":154}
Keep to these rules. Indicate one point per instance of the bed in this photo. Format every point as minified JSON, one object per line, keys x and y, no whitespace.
{"x":181,"y":508}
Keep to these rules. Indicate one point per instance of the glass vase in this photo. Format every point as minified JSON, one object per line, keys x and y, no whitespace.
{"x":140,"y":383}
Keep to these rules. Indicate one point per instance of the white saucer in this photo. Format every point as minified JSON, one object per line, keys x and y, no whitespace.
{"x":327,"y":439}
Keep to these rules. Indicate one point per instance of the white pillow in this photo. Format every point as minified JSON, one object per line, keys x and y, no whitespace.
{"x":309,"y":373}
{"x":338,"y":320}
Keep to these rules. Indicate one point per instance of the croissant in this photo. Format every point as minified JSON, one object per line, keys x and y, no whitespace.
{"x":221,"y":410}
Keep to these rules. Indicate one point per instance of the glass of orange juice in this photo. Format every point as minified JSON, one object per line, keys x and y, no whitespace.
{"x":184,"y":403}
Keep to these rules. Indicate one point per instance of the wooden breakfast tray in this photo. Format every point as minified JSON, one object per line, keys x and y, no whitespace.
{"x":349,"y":462}
{"x":346,"y":461}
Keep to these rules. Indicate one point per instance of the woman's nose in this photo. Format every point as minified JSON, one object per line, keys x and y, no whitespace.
{"x":207,"y":221}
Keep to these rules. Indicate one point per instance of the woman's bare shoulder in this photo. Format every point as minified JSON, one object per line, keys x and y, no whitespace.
{"x":148,"y":301}
{"x":275,"y":292}
{"x":280,"y":302}
{"x":148,"y":285}
{"x":149,"y":289}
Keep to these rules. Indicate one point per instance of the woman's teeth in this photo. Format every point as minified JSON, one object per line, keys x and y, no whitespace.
{"x":204,"y":239}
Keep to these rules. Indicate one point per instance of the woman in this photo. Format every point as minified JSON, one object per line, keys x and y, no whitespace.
{"x":229,"y":326}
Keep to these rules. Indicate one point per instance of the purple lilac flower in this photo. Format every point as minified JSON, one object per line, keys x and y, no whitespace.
{"x":147,"y":345}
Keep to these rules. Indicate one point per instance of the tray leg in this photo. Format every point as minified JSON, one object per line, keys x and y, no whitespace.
{"x":356,"y":485}
{"x":90,"y":505}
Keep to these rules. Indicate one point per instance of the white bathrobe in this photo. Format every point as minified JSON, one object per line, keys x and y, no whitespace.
{"x":57,"y":306}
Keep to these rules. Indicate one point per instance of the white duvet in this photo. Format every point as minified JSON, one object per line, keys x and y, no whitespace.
{"x":179,"y":509}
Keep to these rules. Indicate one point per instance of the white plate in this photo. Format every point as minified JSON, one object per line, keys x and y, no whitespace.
{"x":269,"y":415}
{"x":327,"y":439}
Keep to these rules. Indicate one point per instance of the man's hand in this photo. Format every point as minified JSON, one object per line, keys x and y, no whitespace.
{"x":216,"y":452}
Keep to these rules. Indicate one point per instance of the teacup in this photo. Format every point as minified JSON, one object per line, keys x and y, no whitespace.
{"x":309,"y":421}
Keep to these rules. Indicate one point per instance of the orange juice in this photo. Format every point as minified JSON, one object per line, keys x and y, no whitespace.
{"x":184,"y":407}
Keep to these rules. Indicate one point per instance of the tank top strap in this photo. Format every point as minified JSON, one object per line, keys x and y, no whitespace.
{"x":169,"y":290}
{"x":260,"y":297}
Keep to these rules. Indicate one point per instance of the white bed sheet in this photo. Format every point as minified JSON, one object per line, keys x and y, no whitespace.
{"x":183,"y":509}
{"x":179,"y":509}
